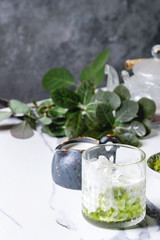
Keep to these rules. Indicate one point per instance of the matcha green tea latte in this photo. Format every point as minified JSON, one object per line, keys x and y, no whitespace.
{"x":113,"y":185}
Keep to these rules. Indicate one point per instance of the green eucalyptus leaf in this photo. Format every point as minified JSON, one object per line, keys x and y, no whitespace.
{"x":127,"y":111}
{"x":64,"y":97}
{"x":109,"y":98}
{"x":75,"y":126}
{"x":18,"y":106}
{"x":85,"y":92}
{"x":50,"y":109}
{"x":134,"y":127}
{"x":42,"y":108}
{"x":91,"y":121}
{"x":147,"y":125}
{"x":56,"y":112}
{"x":59,"y":121}
{"x":57,"y":78}
{"x":91,"y":107}
{"x":31,"y":114}
{"x":138,"y":128}
{"x":53,"y":131}
{"x":5,"y":115}
{"x":71,"y":112}
{"x":104,"y":115}
{"x":46,"y":103}
{"x":100,"y":61}
{"x":147,"y":107}
{"x":22,"y":130}
{"x":30,"y":121}
{"x":99,"y":76}
{"x":96,"y":134}
{"x":44,"y":120}
{"x":125,"y":136}
{"x":122,"y":92}
{"x":86,"y":74}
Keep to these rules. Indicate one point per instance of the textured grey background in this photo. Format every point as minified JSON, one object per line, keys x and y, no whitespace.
{"x":37,"y":35}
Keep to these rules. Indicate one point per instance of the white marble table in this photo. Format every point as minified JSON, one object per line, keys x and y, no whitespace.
{"x":26,"y":191}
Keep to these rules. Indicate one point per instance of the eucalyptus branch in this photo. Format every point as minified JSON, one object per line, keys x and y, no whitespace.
{"x":83,"y":111}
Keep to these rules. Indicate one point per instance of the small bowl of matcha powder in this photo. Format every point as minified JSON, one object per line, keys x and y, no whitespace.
{"x":154,"y":162}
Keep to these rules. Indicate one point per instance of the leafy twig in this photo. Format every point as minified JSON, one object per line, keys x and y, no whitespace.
{"x":83,"y":111}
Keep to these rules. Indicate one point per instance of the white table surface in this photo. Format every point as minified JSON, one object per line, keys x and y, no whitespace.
{"x":26,"y":188}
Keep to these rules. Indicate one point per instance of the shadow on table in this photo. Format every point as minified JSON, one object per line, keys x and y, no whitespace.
{"x":6,"y":127}
{"x":153,"y":212}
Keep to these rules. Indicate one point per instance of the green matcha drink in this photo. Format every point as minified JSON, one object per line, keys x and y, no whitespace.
{"x":113,"y":185}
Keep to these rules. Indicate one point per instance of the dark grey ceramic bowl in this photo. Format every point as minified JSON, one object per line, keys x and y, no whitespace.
{"x":66,"y":164}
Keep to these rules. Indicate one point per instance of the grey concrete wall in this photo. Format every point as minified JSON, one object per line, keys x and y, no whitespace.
{"x":37,"y":35}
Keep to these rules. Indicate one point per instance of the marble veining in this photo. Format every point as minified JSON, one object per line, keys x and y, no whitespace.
{"x":148,"y":229}
{"x":12,"y":219}
{"x":31,"y":214}
{"x":143,"y":231}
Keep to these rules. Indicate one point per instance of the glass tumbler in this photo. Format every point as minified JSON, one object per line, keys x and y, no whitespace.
{"x":114,"y":185}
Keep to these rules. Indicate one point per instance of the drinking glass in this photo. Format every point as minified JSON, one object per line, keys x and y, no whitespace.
{"x":114,"y":185}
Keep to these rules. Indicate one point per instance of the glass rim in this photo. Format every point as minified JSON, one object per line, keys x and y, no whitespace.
{"x":143,"y":154}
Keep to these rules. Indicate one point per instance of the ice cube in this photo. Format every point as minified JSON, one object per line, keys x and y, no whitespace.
{"x":102,"y":160}
{"x":99,"y":170}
